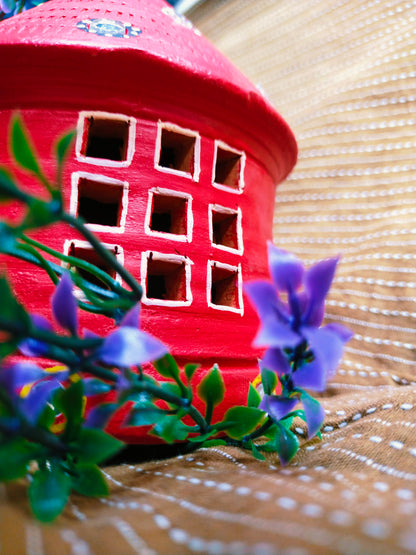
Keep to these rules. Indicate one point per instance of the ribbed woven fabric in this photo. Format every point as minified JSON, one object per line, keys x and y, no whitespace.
{"x":342,"y":72}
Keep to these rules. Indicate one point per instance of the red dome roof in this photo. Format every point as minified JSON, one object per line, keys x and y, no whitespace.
{"x":126,"y":32}
{"x":162,"y":32}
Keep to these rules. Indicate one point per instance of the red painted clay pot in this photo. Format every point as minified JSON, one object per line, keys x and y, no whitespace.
{"x":176,"y":161}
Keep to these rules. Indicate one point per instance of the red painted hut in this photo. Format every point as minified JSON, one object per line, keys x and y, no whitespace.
{"x":176,"y":161}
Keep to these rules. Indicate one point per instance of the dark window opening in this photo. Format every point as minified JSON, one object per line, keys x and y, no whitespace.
{"x":99,"y":202}
{"x":227,"y":168}
{"x":224,"y":290}
{"x":224,"y":229}
{"x":105,"y":138}
{"x":89,"y":255}
{"x":169,"y":214}
{"x":177,"y":151}
{"x":166,"y":280}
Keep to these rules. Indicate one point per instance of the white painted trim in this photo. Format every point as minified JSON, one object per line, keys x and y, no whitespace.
{"x":167,"y":258}
{"x":236,"y":269}
{"x":102,"y":161}
{"x":189,"y":215}
{"x":73,"y":205}
{"x":241,"y":183}
{"x":197,"y":150}
{"x":239,"y":228}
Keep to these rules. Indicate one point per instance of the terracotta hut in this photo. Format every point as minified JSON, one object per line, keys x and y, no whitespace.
{"x":176,"y":161}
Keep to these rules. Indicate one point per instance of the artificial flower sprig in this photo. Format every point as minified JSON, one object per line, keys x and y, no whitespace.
{"x":52,"y":422}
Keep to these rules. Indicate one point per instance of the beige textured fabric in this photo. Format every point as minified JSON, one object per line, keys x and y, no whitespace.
{"x":342,"y":72}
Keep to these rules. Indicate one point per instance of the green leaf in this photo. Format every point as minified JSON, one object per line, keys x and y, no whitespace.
{"x":12,"y":310}
{"x":213,"y":443}
{"x":145,"y":415}
{"x":170,"y":429}
{"x":254,"y":398}
{"x":63,"y":145}
{"x":211,"y":389}
{"x":70,"y":402}
{"x":8,"y":188}
{"x":256,"y":453}
{"x":269,"y":381}
{"x":40,"y":214}
{"x":242,"y":421}
{"x":286,"y":444}
{"x":15,"y":456}
{"x":95,"y":446}
{"x":22,"y":150}
{"x":89,"y":480}
{"x":167,"y":367}
{"x":171,"y":387}
{"x":47,"y":417}
{"x":190,"y":370}
{"x":49,"y":492}
{"x":8,"y":240}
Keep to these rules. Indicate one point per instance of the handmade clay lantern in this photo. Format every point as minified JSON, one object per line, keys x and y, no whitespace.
{"x":175,"y":165}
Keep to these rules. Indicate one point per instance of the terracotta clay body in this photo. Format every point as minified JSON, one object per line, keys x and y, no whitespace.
{"x":176,"y":161}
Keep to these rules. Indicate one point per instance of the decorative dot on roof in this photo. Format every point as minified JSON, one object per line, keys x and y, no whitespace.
{"x":108,"y":28}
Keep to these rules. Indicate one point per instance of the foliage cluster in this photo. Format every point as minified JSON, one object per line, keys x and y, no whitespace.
{"x":47,"y":437}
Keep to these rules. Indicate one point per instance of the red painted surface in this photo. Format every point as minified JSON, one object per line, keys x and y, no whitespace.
{"x":169,"y":74}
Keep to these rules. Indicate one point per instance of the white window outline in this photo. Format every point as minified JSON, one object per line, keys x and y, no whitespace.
{"x":161,"y":125}
{"x":87,"y":246}
{"x":239,"y":228}
{"x":177,"y":259}
{"x":235,"y":269}
{"x":83,"y":116}
{"x":73,"y":204}
{"x":189,"y":215}
{"x":236,"y":190}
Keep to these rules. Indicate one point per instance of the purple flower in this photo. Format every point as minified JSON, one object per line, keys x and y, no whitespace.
{"x":33,"y":347}
{"x":14,"y":377}
{"x":64,"y":305}
{"x":298,"y":347}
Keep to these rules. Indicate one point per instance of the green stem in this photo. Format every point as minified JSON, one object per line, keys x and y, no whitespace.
{"x":260,"y":431}
{"x":104,"y":253}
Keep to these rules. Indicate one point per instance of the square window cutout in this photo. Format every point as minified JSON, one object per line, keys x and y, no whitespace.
{"x":165,"y":279}
{"x":99,"y":200}
{"x":108,"y":139}
{"x":228,"y":168}
{"x":225,"y":287}
{"x":225,"y":228}
{"x":87,"y":254}
{"x":169,"y":212}
{"x":177,"y":150}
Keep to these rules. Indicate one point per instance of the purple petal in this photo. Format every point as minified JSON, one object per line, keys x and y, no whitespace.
{"x":317,"y":281}
{"x":314,"y":414}
{"x":265,"y":299}
{"x":32,"y":347}
{"x":285,"y":268}
{"x":100,"y":415}
{"x":327,"y":347}
{"x":275,"y":359}
{"x":276,"y":406}
{"x":311,"y":376}
{"x":128,"y":346}
{"x":33,"y":405}
{"x":131,"y":319}
{"x":344,"y":333}
{"x":88,"y":334}
{"x":273,"y":333}
{"x":64,"y":304}
{"x":17,"y":375}
{"x":7,"y":6}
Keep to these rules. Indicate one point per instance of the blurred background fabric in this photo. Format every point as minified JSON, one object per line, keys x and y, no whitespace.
{"x":342,"y":73}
